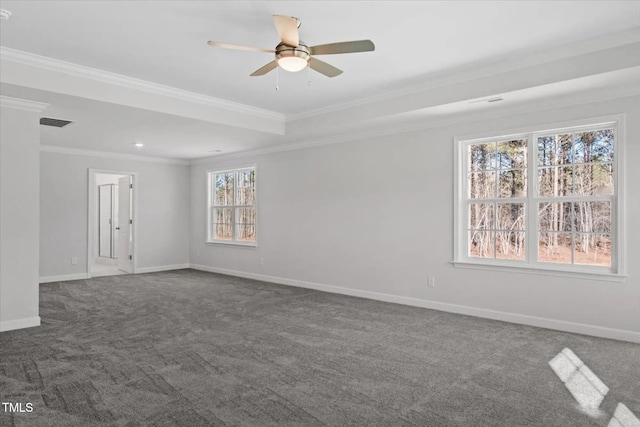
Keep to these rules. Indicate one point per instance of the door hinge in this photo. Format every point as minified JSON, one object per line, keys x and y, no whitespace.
{"x":130,"y":257}
{"x":130,"y":185}
{"x":130,"y":221}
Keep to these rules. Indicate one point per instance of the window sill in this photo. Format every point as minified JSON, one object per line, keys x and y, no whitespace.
{"x":585,"y":274}
{"x":232,"y":243}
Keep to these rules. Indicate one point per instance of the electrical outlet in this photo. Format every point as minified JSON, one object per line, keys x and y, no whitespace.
{"x":431,"y":282}
{"x":197,"y":253}
{"x":74,"y":260}
{"x":261,"y":261}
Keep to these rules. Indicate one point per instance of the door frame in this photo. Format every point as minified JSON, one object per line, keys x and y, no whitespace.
{"x":91,"y":211}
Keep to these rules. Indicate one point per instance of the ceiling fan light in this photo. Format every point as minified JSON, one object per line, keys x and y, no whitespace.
{"x":292,"y":58}
{"x":292,"y":63}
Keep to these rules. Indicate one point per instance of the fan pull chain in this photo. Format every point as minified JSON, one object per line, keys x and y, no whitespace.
{"x":277,"y":79}
{"x":308,"y":76}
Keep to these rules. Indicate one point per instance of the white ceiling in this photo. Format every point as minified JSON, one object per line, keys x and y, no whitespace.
{"x":431,"y":60}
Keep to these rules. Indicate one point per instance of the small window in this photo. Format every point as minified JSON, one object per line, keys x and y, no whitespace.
{"x":544,"y":200}
{"x":232,"y":206}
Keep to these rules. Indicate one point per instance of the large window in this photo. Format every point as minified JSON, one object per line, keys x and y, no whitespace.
{"x":544,"y":200}
{"x":232,"y":206}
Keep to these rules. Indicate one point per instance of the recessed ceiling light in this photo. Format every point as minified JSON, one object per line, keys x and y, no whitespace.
{"x":138,"y":144}
{"x":5,"y":14}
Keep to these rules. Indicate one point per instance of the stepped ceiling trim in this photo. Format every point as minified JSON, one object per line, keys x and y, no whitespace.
{"x":22,"y":104}
{"x":38,"y":61}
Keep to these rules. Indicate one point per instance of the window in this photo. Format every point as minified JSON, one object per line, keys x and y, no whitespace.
{"x":232,"y":206}
{"x":545,"y":200}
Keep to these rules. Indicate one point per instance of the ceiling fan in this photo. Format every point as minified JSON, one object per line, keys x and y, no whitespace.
{"x":293,"y":55}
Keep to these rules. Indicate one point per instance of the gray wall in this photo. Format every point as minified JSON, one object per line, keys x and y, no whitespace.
{"x":375,"y":218}
{"x":163,"y":216}
{"x":19,"y":144}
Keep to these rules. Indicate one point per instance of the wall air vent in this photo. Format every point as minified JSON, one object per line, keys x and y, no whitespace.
{"x":56,"y":123}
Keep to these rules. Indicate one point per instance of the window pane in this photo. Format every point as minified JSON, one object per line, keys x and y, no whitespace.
{"x":592,"y":249}
{"x":481,"y":216}
{"x":510,"y":216}
{"x":555,"y":181}
{"x":222,"y":219}
{"x":554,"y":216}
{"x":593,"y":179}
{"x":223,"y":232}
{"x":245,"y":196}
{"x":512,"y":154}
{"x":592,"y":217}
{"x":510,"y":245}
{"x":245,"y":179}
{"x":594,"y":146}
{"x":246,"y":224}
{"x":512,"y":183}
{"x":482,"y":157}
{"x":223,"y":189}
{"x":554,"y":247}
{"x":482,"y":185}
{"x":546,"y":151}
{"x":245,"y":187}
{"x":481,"y":244}
{"x":554,"y":150}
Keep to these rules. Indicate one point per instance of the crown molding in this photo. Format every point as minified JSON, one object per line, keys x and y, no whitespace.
{"x":76,"y":70}
{"x":110,"y":155}
{"x":22,"y":104}
{"x":420,"y":124}
{"x":480,"y":70}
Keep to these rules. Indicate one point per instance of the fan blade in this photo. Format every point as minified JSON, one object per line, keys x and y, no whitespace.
{"x":324,"y":68}
{"x":238,"y":47}
{"x":264,"y":70}
{"x":343,"y":47}
{"x":287,"y":28}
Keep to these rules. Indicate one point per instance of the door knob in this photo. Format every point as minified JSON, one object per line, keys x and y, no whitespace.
{"x":117,"y":228}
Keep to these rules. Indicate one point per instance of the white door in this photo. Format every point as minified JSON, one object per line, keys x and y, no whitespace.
{"x":124,"y":224}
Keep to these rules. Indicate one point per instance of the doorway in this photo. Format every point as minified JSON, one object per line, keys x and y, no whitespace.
{"x":111,"y":223}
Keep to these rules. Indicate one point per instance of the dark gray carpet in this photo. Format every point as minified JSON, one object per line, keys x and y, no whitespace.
{"x":197,"y":349}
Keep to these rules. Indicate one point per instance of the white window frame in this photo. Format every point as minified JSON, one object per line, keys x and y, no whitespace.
{"x":210,"y":206}
{"x":617,"y":271}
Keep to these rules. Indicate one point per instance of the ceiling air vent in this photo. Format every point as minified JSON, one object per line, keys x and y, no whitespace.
{"x":56,"y":123}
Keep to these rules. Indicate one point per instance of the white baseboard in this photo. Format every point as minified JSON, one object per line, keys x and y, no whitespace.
{"x":63,"y":278}
{"x":28,"y":322}
{"x":561,"y":325}
{"x":140,"y":270}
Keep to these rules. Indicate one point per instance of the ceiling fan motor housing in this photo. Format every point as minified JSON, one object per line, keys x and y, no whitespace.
{"x":285,"y":51}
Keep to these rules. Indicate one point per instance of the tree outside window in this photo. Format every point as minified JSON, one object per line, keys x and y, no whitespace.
{"x":544,"y":198}
{"x":232,"y":212}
